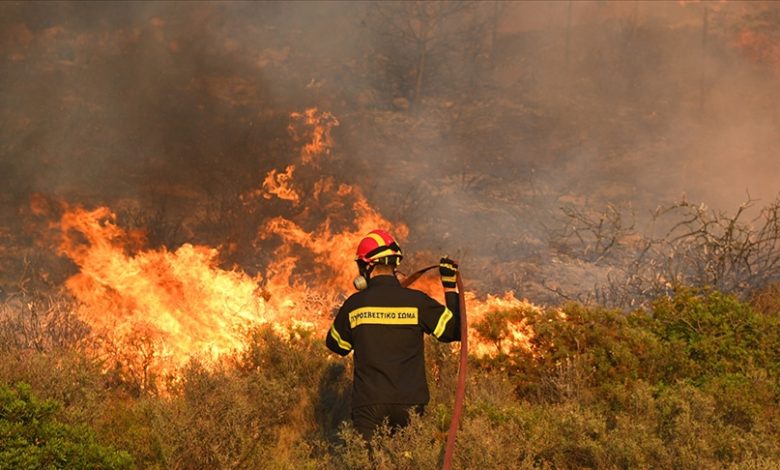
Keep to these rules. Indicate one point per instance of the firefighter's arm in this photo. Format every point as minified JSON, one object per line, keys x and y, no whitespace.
{"x":339,"y":338}
{"x":448,"y":270}
{"x":442,"y":321}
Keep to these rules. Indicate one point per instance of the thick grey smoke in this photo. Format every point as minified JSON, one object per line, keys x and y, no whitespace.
{"x":471,"y":122}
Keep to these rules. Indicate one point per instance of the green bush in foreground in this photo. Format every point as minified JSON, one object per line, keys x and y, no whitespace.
{"x":693,"y":383}
{"x":31,"y":438}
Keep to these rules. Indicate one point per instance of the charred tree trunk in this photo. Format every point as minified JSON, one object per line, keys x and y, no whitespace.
{"x":422,"y":53}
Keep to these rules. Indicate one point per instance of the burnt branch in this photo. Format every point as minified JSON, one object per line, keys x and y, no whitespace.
{"x":592,"y":236}
{"x":40,"y":322}
{"x":700,"y":247}
{"x":581,"y":297}
{"x":686,"y":244}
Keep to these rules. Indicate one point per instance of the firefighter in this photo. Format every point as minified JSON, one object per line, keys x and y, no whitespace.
{"x":383,"y":324}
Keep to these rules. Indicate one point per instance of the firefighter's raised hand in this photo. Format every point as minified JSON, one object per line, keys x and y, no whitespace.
{"x":448,"y":269}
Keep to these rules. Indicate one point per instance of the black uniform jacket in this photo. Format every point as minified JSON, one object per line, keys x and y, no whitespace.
{"x":384,"y":325}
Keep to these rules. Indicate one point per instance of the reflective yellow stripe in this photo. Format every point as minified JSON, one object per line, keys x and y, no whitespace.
{"x":449,"y":278}
{"x":447,"y":265}
{"x":342,"y":344}
{"x":443,"y":320}
{"x":378,"y":239}
{"x":383,"y":316}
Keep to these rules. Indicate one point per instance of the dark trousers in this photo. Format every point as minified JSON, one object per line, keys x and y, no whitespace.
{"x":367,"y":419}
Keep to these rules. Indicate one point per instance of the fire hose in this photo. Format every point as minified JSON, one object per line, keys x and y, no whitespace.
{"x":460,"y":391}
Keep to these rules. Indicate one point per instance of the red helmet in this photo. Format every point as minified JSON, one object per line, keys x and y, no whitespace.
{"x":379,"y":245}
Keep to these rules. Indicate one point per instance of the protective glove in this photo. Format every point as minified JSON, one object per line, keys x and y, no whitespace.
{"x":448,"y":270}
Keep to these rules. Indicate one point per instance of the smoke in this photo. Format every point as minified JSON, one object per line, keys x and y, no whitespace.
{"x":473,"y":123}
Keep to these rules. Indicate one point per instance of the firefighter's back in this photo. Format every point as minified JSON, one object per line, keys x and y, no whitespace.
{"x":387,"y":338}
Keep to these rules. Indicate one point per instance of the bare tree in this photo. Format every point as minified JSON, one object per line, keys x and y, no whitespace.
{"x":423,"y":36}
{"x":592,"y":235}
{"x":692,"y":245}
{"x":40,"y":322}
{"x":701,"y":247}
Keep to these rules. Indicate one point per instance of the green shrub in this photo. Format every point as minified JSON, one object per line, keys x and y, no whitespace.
{"x":66,"y":376}
{"x":692,"y":383}
{"x":577,"y":350}
{"x":712,"y":333}
{"x":31,"y":437}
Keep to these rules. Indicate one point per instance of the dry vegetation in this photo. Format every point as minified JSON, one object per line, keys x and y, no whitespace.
{"x":686,"y":244}
{"x":692,"y":382}
{"x":537,"y":155}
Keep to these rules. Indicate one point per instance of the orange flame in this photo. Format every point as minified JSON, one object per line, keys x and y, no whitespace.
{"x":278,"y":184}
{"x":333,"y":251}
{"x":316,"y":127}
{"x":181,"y":302}
{"x":332,"y":242}
{"x":156,"y":309}
{"x":516,"y":333}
